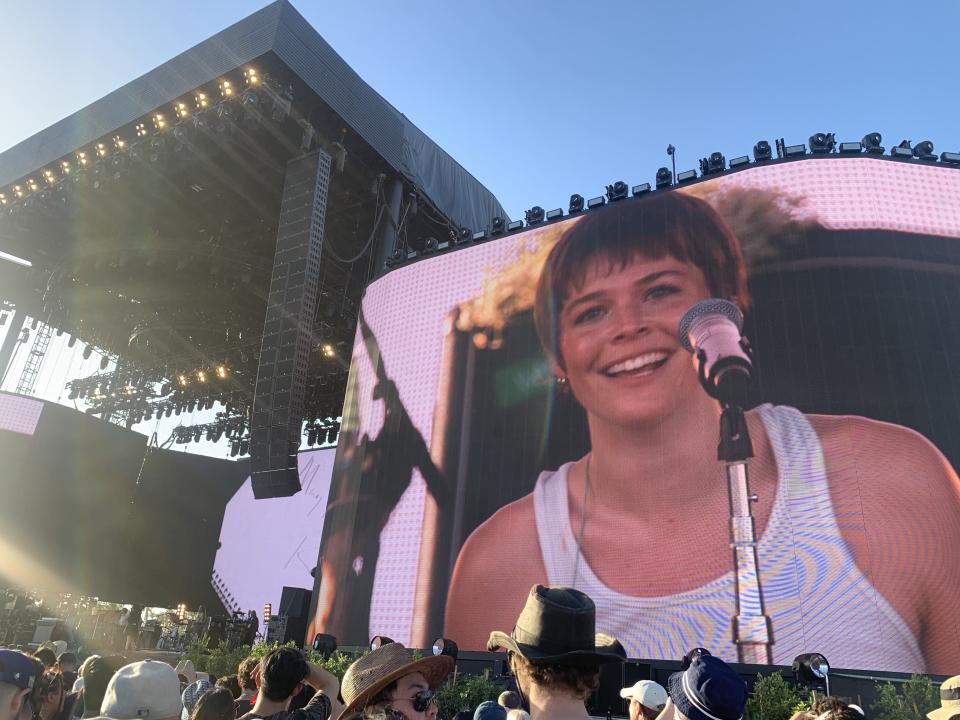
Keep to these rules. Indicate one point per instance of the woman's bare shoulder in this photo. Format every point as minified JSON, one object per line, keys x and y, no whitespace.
{"x":496,"y":567}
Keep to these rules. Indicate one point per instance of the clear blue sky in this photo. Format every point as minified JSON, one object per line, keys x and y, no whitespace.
{"x":541,"y":99}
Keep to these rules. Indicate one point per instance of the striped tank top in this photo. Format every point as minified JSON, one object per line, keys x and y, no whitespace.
{"x":816,"y":596}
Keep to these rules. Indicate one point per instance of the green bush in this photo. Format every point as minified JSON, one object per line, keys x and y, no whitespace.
{"x":221,"y":660}
{"x":910,"y":700}
{"x":773,"y":698}
{"x":465,"y":692}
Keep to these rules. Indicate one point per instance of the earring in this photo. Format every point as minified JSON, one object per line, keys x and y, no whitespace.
{"x":563,"y":384}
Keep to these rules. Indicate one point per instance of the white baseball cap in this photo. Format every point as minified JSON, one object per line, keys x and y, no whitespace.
{"x":146,"y":690}
{"x":647,"y":693}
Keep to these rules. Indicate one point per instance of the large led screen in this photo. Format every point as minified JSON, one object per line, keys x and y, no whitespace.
{"x":521,"y":411}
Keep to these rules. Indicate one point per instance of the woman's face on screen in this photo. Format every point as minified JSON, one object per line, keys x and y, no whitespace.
{"x":618,"y":338}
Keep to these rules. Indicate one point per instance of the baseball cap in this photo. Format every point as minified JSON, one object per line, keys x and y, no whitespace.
{"x":647,"y":693}
{"x":191,"y":695}
{"x":145,"y":690}
{"x":18,"y":669}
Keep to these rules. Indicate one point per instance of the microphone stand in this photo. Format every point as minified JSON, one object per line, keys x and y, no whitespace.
{"x":752,"y":628}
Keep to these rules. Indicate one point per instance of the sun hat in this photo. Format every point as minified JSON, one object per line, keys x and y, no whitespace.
{"x":949,"y":700}
{"x":191,"y":694}
{"x":145,"y":690}
{"x":709,"y":690}
{"x":374,"y":671}
{"x":647,"y":693}
{"x":558,"y":625}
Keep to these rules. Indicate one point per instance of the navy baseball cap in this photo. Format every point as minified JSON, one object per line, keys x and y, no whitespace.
{"x":709,"y":690}
{"x":18,"y":669}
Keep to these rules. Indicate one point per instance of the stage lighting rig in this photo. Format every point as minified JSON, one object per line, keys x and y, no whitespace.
{"x":576,"y":204}
{"x":664,"y":178}
{"x":903,"y":150}
{"x":812,"y":671}
{"x":325,"y":644}
{"x":378,"y":641}
{"x":617,"y":191}
{"x":514,"y":225}
{"x":534,"y":215}
{"x":794,"y":150}
{"x":686,"y":176}
{"x":850,"y":148}
{"x":554,"y":214}
{"x":822,"y":143}
{"x":739,"y":161}
{"x":640,"y":189}
{"x":596,"y":202}
{"x":716,"y":163}
{"x":950,"y":158}
{"x":871,"y":143}
{"x":497,"y":225}
{"x":924,"y":151}
{"x":445,"y":646}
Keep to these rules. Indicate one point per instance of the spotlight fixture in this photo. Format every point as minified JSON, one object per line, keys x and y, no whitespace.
{"x":716,"y":163}
{"x":534,"y":215}
{"x":479,"y":235}
{"x":576,"y":204}
{"x":664,"y":178}
{"x":812,"y":671}
{"x":871,"y":143}
{"x":514,"y":225}
{"x":822,"y":143}
{"x":762,"y":151}
{"x":497,"y":225}
{"x":794,"y":150}
{"x":324,"y":644}
{"x":554,"y":214}
{"x":739,"y":161}
{"x":686,"y":176}
{"x":311,"y":435}
{"x":694,"y":654}
{"x":445,"y":646}
{"x":430,"y":245}
{"x":464,"y":236}
{"x":222,"y":371}
{"x":903,"y":150}
{"x":850,"y":148}
{"x":267,"y":614}
{"x":617,"y":191}
{"x":640,"y":189}
{"x":378,"y":641}
{"x":950,"y":158}
{"x":924,"y":151}
{"x":596,"y":202}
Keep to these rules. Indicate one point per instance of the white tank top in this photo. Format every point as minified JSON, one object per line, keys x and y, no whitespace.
{"x":816,"y":596}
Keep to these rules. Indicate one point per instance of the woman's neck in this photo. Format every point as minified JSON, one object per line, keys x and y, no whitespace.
{"x":664,"y":463}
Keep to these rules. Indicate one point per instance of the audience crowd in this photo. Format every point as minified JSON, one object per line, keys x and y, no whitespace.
{"x":553,"y":651}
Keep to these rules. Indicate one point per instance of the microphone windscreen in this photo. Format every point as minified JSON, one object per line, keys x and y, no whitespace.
{"x":713,"y":306}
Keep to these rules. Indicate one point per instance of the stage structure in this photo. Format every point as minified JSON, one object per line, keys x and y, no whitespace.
{"x":210,"y":228}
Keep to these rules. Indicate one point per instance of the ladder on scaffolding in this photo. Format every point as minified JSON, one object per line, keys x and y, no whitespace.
{"x":31,"y":370}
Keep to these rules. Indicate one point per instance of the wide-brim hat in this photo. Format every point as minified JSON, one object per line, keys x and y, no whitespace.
{"x":369,"y":675}
{"x":949,"y":700}
{"x":558,"y":625}
{"x":709,"y":690}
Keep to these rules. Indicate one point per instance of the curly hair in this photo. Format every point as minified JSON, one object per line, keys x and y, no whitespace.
{"x":576,"y":681}
{"x":245,"y":673}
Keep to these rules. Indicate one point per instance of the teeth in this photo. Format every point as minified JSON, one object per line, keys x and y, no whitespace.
{"x":636,"y":363}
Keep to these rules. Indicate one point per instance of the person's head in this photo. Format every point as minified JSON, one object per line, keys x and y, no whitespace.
{"x":281,"y":674}
{"x":518,"y":714}
{"x":830,"y":702}
{"x":96,"y":673}
{"x":510,"y":700}
{"x":217,"y":704}
{"x":19,"y":673}
{"x":390,"y":679}
{"x":646,"y":699}
{"x":47,"y":656}
{"x":617,"y":283}
{"x":949,"y":700}
{"x":708,"y":690}
{"x":148,"y":689}
{"x":231,"y":683}
{"x":843,"y":712}
{"x":489,"y":710}
{"x":554,"y":647}
{"x":67,"y":662}
{"x":191,"y":696}
{"x":48,"y":693}
{"x":245,"y":673}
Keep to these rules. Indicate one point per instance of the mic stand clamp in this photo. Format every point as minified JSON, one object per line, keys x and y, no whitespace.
{"x":752,"y":629}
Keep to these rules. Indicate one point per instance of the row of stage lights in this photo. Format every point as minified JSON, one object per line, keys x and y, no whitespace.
{"x":242,"y":100}
{"x":234,"y":427}
{"x":324,"y":432}
{"x":820,"y":144}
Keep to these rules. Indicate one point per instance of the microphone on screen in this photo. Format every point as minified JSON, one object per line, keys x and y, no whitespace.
{"x":712,"y":330}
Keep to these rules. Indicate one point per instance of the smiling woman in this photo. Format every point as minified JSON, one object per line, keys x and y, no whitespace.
{"x":641,"y":523}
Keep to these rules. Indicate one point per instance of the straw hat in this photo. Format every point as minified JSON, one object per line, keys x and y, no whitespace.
{"x":374,"y":671}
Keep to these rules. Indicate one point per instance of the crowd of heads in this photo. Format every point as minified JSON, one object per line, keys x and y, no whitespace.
{"x":554,"y":655}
